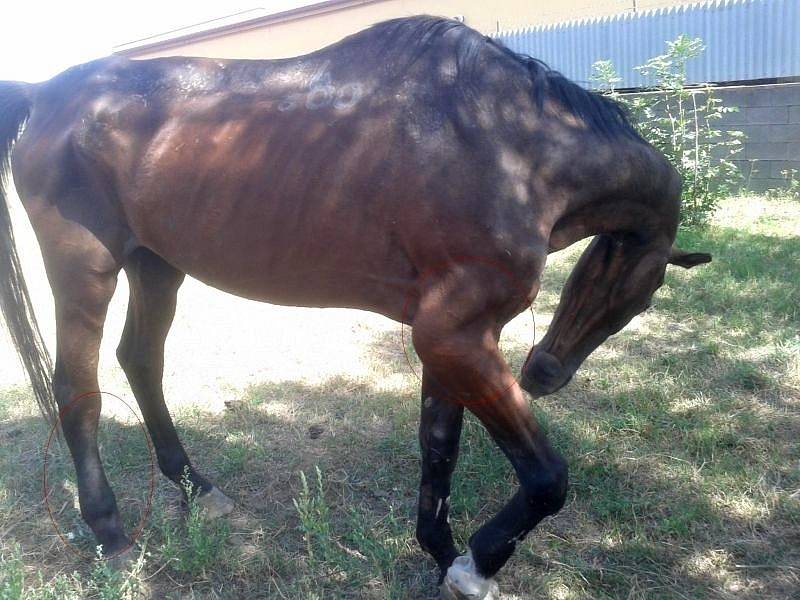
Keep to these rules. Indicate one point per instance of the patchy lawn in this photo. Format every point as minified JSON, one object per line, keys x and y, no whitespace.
{"x":681,"y":433}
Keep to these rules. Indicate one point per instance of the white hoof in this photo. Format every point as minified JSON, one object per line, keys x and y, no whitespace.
{"x":214,"y":503}
{"x":463,"y":582}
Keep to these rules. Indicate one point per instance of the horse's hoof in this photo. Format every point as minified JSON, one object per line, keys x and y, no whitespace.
{"x":463,"y":582}
{"x":214,"y":504}
{"x":122,"y":561}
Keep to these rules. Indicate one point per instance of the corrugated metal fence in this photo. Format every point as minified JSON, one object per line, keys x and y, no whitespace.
{"x":745,"y":40}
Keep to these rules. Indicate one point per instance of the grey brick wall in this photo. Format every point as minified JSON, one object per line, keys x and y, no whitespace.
{"x":769,"y":115}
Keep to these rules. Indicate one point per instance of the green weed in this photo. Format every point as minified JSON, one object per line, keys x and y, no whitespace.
{"x":11,"y":574}
{"x":107,"y":583}
{"x":196,"y":545}
{"x":314,"y":519}
{"x":681,"y":122}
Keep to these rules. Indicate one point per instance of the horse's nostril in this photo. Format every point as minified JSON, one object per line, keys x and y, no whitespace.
{"x":545,"y":367}
{"x":543,"y":374}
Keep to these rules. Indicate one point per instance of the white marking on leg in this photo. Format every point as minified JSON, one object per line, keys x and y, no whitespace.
{"x":438,"y":508}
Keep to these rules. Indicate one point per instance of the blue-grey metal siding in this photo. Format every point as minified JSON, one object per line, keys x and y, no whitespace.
{"x":745,"y":40}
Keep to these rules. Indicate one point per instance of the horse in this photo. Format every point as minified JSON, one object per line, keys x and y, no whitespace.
{"x":417,"y":169}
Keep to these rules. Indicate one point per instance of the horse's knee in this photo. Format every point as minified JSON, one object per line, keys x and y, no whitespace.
{"x":78,"y":414}
{"x":545,"y":491}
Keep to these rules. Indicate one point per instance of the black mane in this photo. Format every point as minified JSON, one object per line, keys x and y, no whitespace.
{"x":414,"y":35}
{"x":601,"y":113}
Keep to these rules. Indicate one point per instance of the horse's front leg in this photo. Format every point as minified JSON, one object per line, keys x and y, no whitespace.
{"x":542,"y":474}
{"x":439,"y":434}
{"x":541,"y":471}
{"x":459,"y":350}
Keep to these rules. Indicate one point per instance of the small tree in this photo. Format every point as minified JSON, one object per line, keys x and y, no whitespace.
{"x":681,"y":122}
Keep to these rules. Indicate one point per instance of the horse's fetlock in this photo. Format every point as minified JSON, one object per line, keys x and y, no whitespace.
{"x":173,"y":465}
{"x":99,"y":510}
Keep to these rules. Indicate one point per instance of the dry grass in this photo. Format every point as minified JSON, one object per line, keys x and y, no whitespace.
{"x":681,"y":433}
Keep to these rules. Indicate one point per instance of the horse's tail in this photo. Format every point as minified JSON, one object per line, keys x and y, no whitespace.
{"x":15,"y":302}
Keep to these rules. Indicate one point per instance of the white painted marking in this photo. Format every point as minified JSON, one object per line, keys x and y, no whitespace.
{"x":321,"y":92}
{"x":348,"y":96}
{"x":289,"y":103}
{"x":320,"y":97}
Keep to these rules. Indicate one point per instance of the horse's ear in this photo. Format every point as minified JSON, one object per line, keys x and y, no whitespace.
{"x":687,"y":260}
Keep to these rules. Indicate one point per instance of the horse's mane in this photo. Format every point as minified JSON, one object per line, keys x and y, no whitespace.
{"x":600,"y":113}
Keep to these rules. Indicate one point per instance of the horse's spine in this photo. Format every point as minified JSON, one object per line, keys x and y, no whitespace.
{"x":15,"y":301}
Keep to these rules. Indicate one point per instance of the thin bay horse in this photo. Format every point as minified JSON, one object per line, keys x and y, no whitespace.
{"x":416,"y":169}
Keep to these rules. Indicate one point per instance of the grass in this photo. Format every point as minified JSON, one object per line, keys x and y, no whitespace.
{"x":194,"y":546}
{"x":681,"y":434}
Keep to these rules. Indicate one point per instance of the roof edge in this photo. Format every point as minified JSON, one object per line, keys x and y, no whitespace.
{"x":173,"y":38}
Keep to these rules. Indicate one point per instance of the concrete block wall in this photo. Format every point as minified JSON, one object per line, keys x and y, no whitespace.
{"x":769,"y":116}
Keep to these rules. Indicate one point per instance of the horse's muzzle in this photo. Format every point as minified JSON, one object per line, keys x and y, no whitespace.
{"x":543,"y":374}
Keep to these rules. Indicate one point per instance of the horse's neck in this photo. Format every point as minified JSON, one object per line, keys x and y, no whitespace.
{"x":586,"y":216}
{"x":619,"y":187}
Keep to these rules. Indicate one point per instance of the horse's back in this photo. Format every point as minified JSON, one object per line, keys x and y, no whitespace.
{"x":322,"y":180}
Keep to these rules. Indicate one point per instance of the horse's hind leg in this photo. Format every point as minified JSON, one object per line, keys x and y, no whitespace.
{"x":83,"y":276}
{"x":153,"y":295}
{"x":439,"y":434}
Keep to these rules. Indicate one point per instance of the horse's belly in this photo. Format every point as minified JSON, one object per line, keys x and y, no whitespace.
{"x":329,"y":261}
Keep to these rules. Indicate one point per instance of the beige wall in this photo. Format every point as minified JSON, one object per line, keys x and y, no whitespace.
{"x":306,"y":33}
